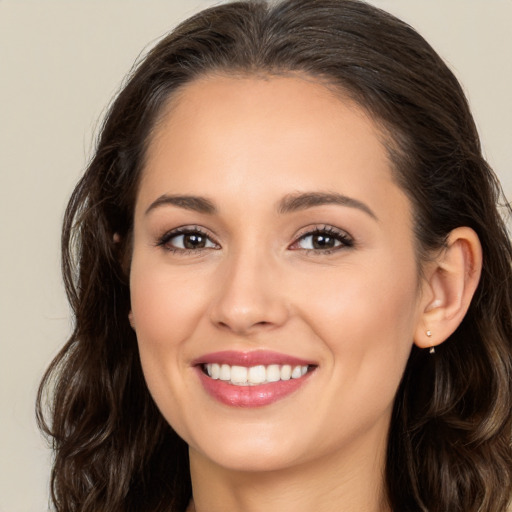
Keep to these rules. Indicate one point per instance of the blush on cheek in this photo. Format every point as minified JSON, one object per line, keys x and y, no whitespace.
{"x":165,"y":310}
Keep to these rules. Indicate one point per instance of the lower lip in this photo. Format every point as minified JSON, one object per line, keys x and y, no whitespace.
{"x":250,"y":396}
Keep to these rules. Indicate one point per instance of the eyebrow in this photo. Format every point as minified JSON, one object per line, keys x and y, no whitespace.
{"x":303,"y":201}
{"x":290,"y":203}
{"x":194,"y":203}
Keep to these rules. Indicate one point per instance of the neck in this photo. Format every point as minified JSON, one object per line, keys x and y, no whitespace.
{"x":339,"y":482}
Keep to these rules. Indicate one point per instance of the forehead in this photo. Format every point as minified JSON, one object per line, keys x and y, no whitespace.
{"x":290,"y":100}
{"x":261,"y":135}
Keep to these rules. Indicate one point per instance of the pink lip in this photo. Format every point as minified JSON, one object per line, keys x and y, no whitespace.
{"x":252,"y":358}
{"x":250,"y":396}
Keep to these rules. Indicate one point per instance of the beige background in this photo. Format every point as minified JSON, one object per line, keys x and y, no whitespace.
{"x":60,"y":63}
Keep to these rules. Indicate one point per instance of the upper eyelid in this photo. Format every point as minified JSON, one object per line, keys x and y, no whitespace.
{"x":188,"y":229}
{"x":183,"y":230}
{"x":325,"y":228}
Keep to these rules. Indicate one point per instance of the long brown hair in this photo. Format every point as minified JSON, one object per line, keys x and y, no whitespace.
{"x":449,"y":445}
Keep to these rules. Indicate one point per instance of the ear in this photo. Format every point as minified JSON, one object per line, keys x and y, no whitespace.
{"x":131,"y":320}
{"x":450,"y":283}
{"x":123,"y":250}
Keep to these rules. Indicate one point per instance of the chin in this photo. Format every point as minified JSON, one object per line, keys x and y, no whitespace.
{"x":249,"y":458}
{"x":245,"y":447}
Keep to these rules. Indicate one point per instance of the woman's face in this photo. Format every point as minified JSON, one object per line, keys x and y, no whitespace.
{"x":269,"y":239}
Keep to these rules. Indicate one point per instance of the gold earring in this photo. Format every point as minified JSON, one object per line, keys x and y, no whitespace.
{"x":432,"y":348}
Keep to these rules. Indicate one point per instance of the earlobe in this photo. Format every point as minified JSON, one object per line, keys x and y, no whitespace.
{"x":450,"y":284}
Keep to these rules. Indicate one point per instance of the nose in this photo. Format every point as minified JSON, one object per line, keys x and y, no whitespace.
{"x":250,"y":296}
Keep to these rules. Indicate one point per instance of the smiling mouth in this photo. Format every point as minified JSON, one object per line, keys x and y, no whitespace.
{"x":255,"y":375}
{"x":252,"y":379}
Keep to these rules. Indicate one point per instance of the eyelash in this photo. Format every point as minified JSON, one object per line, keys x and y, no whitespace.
{"x":187,"y":230}
{"x":344,"y":239}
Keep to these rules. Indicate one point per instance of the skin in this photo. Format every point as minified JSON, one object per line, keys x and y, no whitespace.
{"x":246,"y":144}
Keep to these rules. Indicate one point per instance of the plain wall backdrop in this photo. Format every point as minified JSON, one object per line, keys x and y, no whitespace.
{"x":60,"y":64}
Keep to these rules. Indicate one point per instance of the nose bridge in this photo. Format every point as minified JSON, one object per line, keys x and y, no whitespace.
{"x":249,"y":296}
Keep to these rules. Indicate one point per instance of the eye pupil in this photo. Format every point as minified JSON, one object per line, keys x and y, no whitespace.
{"x":323,"y":242}
{"x":194,"y":241}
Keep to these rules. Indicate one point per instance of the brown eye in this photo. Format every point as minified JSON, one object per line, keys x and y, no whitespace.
{"x":324,"y":240}
{"x":318,"y":241}
{"x":192,"y":240}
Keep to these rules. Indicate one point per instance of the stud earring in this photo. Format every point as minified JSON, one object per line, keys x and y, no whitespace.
{"x":432,"y":349}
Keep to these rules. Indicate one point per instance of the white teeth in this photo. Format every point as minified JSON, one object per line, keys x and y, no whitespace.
{"x":239,"y":375}
{"x":260,"y":374}
{"x":257,"y":374}
{"x":273,"y":373}
{"x":214,"y":371}
{"x":225,"y":372}
{"x":286,"y":372}
{"x":296,"y":372}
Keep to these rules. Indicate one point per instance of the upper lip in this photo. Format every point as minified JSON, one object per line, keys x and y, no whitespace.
{"x":252,"y":358}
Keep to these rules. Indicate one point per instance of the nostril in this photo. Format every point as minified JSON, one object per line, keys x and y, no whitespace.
{"x":242,"y":328}
{"x":246,"y":315}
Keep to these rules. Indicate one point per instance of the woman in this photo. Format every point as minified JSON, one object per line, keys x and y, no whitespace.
{"x":290,"y":278}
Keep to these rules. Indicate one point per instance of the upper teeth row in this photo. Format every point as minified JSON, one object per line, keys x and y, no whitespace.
{"x":243,"y":376}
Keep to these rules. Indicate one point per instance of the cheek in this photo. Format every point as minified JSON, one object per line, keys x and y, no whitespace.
{"x":166,"y":309}
{"x":366,"y":315}
{"x":367,"y":325}
{"x":166,"y":305}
